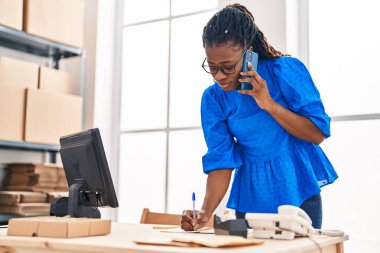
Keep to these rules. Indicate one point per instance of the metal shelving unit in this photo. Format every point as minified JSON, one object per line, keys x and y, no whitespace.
{"x":35,"y":45}
{"x":31,"y":44}
{"x":28,"y":146}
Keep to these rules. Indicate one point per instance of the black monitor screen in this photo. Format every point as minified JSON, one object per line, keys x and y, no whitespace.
{"x":84,"y":161}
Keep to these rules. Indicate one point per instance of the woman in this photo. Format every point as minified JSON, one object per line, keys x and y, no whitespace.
{"x":268,"y":135}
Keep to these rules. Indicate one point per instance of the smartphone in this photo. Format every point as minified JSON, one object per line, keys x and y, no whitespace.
{"x":253,"y":58}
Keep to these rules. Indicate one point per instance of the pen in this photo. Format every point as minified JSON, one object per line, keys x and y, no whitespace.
{"x":193,"y":198}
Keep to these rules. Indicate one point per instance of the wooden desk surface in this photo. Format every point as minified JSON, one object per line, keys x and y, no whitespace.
{"x":122,"y":236}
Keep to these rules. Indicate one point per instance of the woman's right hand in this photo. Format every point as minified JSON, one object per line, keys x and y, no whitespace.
{"x":190,"y":224}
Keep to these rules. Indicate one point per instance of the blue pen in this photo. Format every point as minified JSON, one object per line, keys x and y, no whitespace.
{"x":193,"y":198}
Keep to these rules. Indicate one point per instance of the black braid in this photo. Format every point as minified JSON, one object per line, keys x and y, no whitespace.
{"x":235,"y":23}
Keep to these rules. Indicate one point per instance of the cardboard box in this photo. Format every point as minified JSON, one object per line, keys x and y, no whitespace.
{"x":34,"y":177}
{"x":58,"y":227}
{"x":11,"y":13}
{"x":19,"y":73}
{"x":58,"y":20}
{"x":51,"y":115}
{"x":26,"y":209}
{"x":12,"y":113}
{"x":14,"y":197}
{"x":55,"y":81}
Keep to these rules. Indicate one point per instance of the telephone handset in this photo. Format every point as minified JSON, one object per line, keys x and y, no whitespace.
{"x":294,"y":211}
{"x":289,"y":222}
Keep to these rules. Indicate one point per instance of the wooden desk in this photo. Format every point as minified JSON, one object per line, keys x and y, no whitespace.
{"x":120,"y":240}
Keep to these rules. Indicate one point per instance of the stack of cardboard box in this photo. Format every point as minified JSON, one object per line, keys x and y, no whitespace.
{"x":27,"y":203}
{"x":28,"y":189}
{"x":52,"y":111}
{"x":15,"y":77}
{"x":34,"y":177}
{"x":36,"y":103}
{"x":24,"y":203}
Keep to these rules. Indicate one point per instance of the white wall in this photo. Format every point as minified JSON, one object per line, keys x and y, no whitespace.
{"x":348,"y":80}
{"x":106,"y":94}
{"x":352,"y":202}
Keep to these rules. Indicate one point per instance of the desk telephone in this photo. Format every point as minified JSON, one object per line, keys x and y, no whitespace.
{"x":290,"y":221}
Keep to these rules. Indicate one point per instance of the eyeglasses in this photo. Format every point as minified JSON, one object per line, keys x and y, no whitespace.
{"x":228,"y":69}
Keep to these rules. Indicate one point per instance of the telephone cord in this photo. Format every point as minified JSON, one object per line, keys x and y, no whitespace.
{"x":304,"y":235}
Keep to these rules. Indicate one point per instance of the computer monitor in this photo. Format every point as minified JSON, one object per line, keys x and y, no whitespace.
{"x":87,"y":173}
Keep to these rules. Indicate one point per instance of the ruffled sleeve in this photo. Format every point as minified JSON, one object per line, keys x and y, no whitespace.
{"x":300,"y":93}
{"x":222,"y":150}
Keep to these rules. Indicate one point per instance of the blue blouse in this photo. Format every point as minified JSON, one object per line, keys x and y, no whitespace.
{"x":272,"y":167}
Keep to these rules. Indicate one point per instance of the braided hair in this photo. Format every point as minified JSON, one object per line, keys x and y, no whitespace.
{"x":236,"y":23}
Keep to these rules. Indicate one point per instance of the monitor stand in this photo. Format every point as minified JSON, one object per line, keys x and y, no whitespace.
{"x":78,"y":205}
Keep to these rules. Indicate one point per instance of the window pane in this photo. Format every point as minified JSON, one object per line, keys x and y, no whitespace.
{"x":354,"y":151}
{"x":143,"y":10}
{"x":145,"y":76}
{"x":188,"y":79}
{"x":181,"y":7}
{"x":344,"y":54}
{"x":141,"y":174}
{"x":186,"y":176}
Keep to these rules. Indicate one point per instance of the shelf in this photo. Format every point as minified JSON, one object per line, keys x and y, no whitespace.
{"x":36,"y":45}
{"x":29,"y":146}
{"x":31,"y":44}
{"x":21,"y":145}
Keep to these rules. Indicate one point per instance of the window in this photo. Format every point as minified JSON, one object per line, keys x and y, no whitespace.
{"x":161,"y":142}
{"x":344,"y":55}
{"x":145,"y":76}
{"x":344,"y":64}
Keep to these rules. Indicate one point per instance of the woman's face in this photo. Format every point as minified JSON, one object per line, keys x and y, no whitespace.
{"x":230,"y":56}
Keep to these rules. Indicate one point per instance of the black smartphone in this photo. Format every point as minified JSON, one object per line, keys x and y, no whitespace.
{"x":253,"y":58}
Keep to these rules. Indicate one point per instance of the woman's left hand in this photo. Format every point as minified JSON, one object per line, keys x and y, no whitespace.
{"x":260,"y":90}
